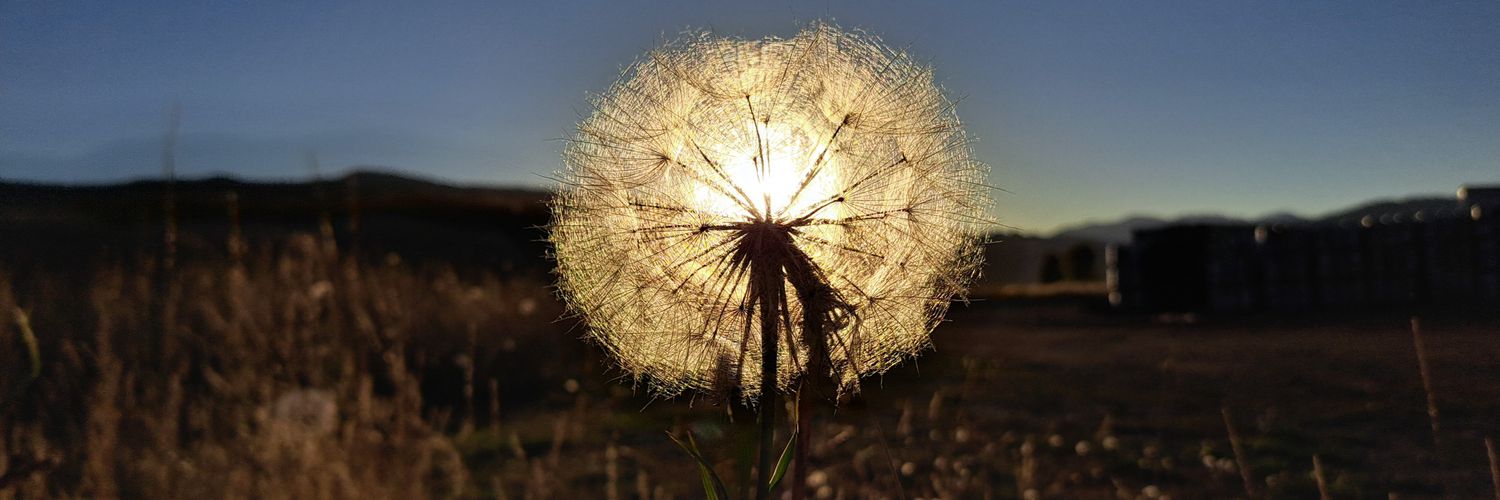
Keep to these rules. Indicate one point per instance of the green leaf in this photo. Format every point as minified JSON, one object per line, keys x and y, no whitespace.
{"x":713,"y":487}
{"x":709,"y":491}
{"x":786,"y":460}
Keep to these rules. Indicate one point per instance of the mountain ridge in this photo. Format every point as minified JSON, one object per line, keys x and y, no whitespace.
{"x":1120,"y":230}
{"x":376,"y":185}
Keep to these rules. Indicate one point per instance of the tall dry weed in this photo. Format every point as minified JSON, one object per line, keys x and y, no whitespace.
{"x":284,"y":376}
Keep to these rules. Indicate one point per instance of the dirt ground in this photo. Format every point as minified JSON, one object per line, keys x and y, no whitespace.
{"x":1346,"y":387}
{"x":434,"y":384}
{"x":1050,"y":399}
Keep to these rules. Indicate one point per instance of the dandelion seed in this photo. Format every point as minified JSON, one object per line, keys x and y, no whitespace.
{"x":831,"y":157}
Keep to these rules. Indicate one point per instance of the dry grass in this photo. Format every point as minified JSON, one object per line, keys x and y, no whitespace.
{"x":298,"y":377}
{"x":304,"y":374}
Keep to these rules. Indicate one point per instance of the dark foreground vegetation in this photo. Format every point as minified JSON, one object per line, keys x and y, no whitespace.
{"x":324,"y":360}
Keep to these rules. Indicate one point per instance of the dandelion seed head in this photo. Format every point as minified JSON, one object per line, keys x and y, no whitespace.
{"x":839,"y":144}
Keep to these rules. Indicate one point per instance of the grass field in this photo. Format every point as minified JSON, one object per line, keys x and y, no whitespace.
{"x":295,"y":372}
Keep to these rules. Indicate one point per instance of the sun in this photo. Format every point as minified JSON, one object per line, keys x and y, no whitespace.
{"x":773,"y":177}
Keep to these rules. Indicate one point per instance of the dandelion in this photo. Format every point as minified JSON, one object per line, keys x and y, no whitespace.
{"x":808,"y":206}
{"x":817,"y":190}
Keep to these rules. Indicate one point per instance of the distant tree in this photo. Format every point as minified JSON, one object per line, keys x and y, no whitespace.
{"x":1052,"y":271}
{"x":1079,"y":264}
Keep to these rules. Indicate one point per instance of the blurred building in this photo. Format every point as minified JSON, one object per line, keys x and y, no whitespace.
{"x":1478,"y":195}
{"x":1449,"y":256}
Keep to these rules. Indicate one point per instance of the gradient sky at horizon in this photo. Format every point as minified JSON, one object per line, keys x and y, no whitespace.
{"x":1083,"y":110}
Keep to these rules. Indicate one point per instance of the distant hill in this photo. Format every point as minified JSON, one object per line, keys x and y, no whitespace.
{"x":423,"y":220}
{"x":418,"y":219}
{"x":371,"y":189}
{"x":1286,"y":218}
{"x":1119,"y":231}
{"x":1378,"y":208}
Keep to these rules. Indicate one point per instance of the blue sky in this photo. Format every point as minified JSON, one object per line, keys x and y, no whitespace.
{"x":1083,"y":110}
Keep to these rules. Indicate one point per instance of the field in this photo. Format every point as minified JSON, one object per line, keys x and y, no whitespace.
{"x":290,"y":365}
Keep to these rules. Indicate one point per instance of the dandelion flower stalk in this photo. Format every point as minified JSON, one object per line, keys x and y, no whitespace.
{"x":807,"y":205}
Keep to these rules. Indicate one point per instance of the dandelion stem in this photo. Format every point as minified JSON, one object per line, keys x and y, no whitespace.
{"x":770,"y":289}
{"x":805,"y":407}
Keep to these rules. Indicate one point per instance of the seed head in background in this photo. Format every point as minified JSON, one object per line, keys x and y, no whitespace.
{"x":835,"y":153}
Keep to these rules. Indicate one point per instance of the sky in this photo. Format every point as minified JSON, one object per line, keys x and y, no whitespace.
{"x":1083,"y":110}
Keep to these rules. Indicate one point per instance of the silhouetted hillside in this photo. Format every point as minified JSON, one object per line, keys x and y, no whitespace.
{"x":376,"y":214}
{"x":1390,"y":208}
{"x":1119,"y":231}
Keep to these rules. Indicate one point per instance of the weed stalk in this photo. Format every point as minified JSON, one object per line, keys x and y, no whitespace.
{"x":1241,"y":462}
